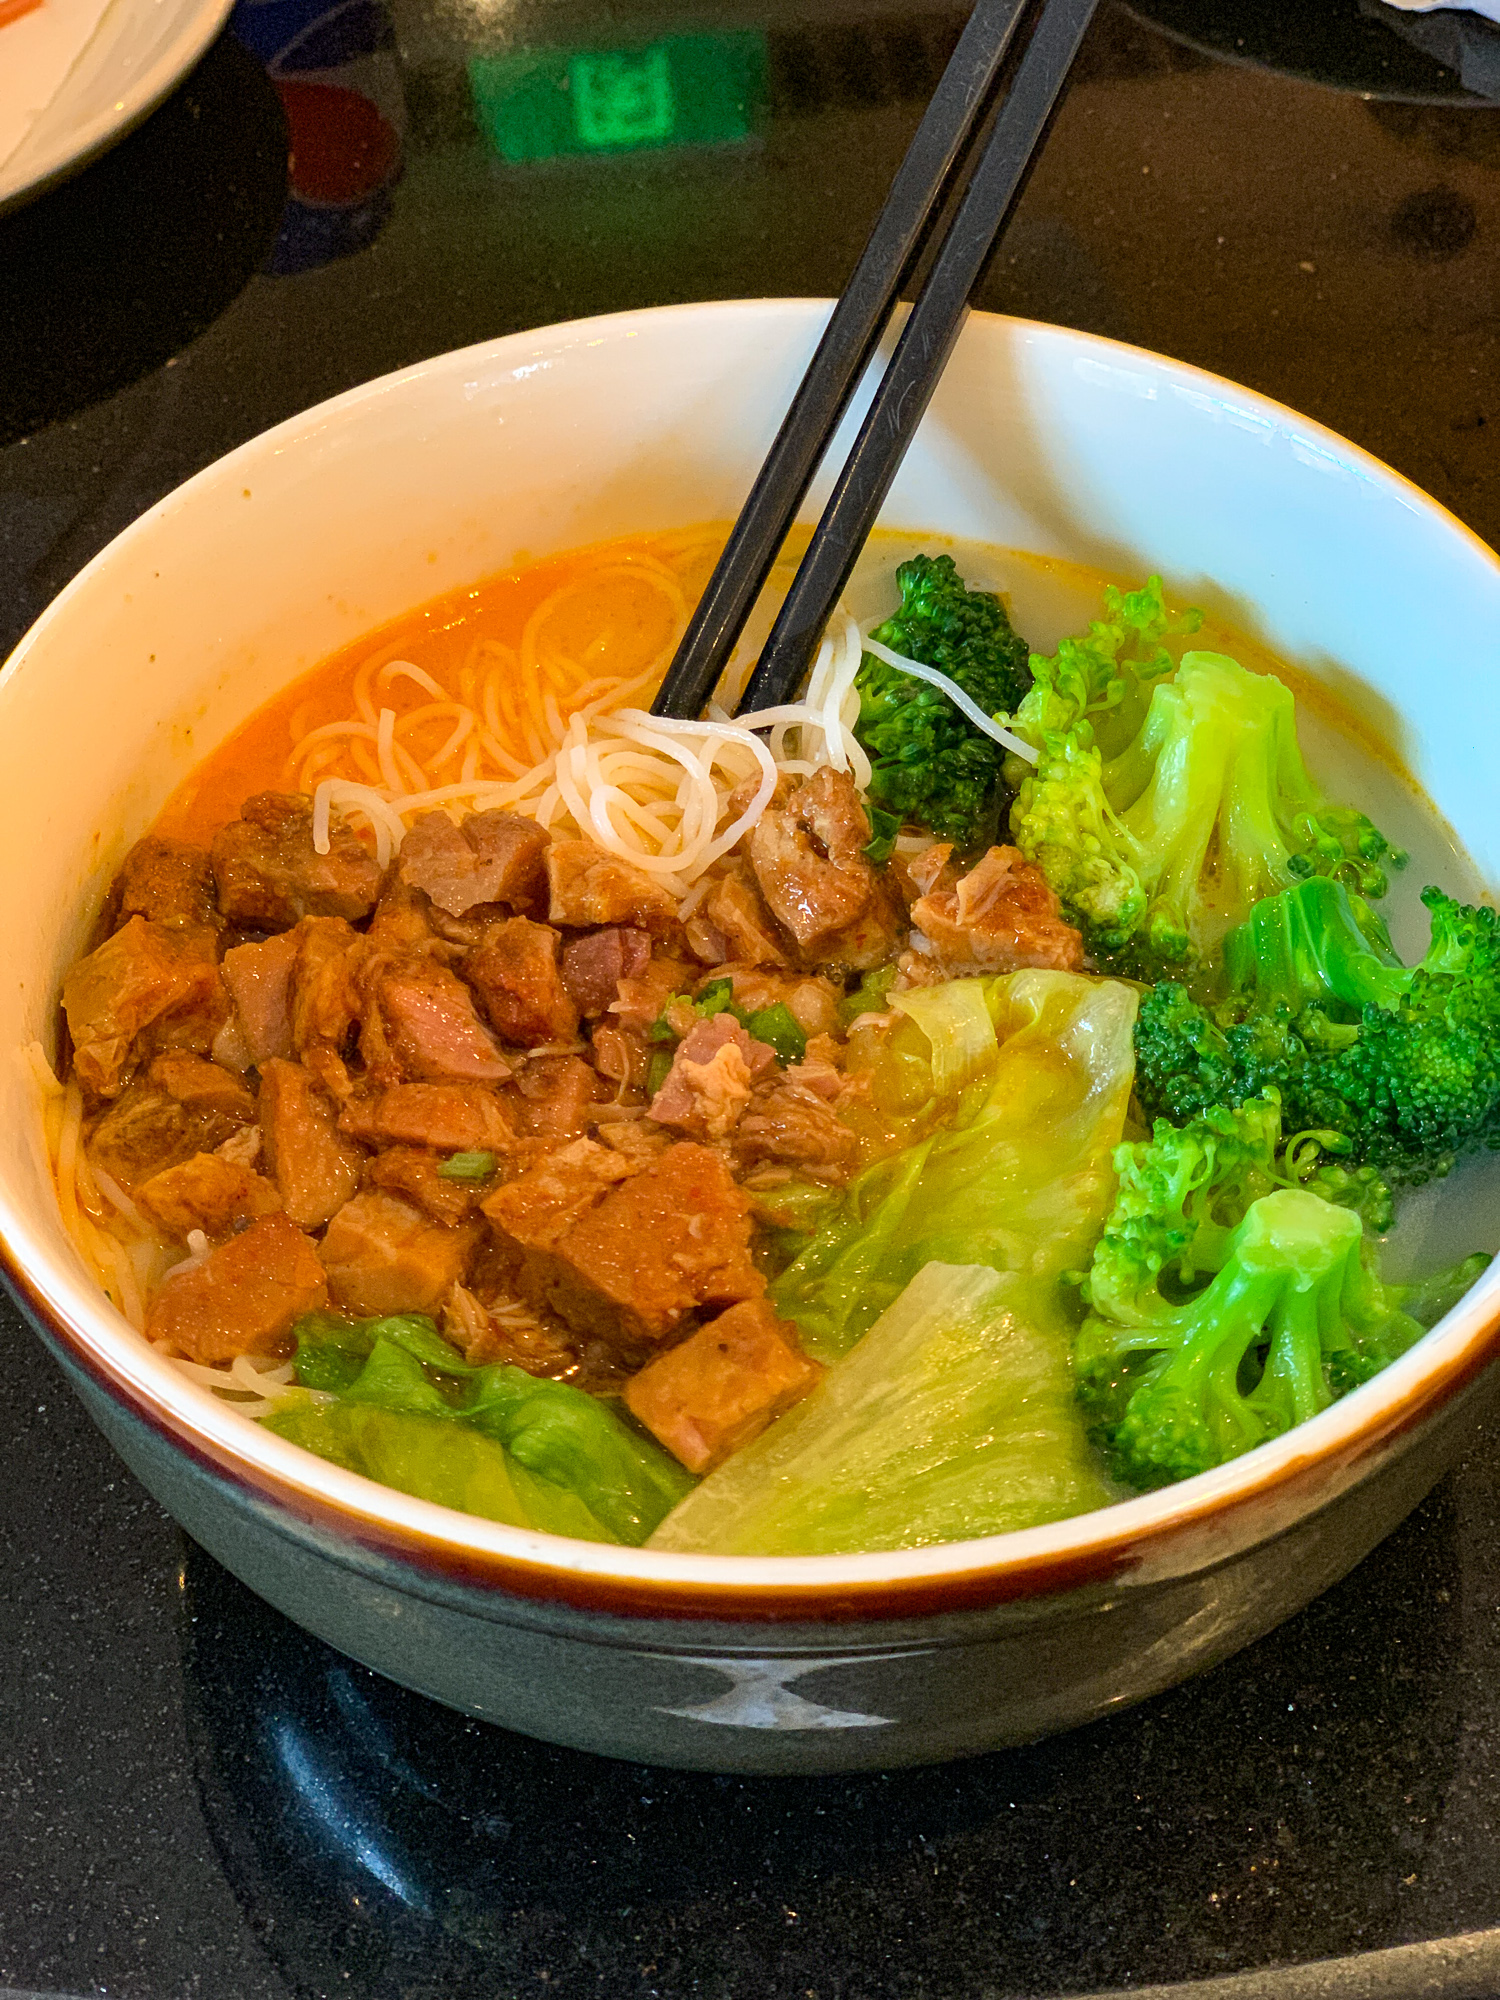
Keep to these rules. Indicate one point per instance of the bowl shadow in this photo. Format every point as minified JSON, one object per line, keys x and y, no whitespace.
{"x":111,"y":273}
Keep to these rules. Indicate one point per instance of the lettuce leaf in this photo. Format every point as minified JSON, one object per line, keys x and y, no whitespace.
{"x":940,"y":1282}
{"x":402,"y":1406}
{"x":953,"y":1417}
{"x":1033,"y":1074}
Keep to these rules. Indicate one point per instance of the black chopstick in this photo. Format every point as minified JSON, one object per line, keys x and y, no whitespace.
{"x":921,"y":353}
{"x":945,"y":136}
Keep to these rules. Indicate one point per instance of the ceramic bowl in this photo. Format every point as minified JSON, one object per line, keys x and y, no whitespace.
{"x":1039,"y":439}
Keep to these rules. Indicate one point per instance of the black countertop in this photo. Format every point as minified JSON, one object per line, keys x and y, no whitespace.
{"x":200,"y":1800}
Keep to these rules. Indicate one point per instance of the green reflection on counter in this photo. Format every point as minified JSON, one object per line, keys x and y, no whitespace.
{"x":686,"y":90}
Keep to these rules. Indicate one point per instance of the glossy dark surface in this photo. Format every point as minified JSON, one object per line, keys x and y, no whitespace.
{"x":196,"y":1800}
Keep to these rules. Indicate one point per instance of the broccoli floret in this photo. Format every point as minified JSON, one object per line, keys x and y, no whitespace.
{"x":1404,"y":1061}
{"x":929,"y":763}
{"x":1183,"y":1192}
{"x":1293,"y":1317}
{"x":1204,"y":808}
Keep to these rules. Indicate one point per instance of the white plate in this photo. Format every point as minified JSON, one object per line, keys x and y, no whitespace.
{"x":134,"y":55}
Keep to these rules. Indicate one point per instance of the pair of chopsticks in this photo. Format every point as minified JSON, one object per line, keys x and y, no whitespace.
{"x":952,"y":195}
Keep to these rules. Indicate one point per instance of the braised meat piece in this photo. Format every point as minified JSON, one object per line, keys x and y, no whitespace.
{"x":1001,"y":915}
{"x":428,"y":1019}
{"x":203,"y":1086}
{"x":259,"y":978}
{"x":808,"y":861}
{"x":494,"y":857}
{"x":413,"y":1171}
{"x":932,"y":869}
{"x":144,"y":977}
{"x":558,"y":1096}
{"x":168,"y":882}
{"x":449,"y":1117}
{"x":628,"y":1264}
{"x":315,"y":1167}
{"x":588,"y":886}
{"x":736,"y":909}
{"x":207,"y":1192}
{"x":874,"y":937}
{"x":382,"y":1255}
{"x":794,"y":1124}
{"x":594,"y":965}
{"x":269,"y":874}
{"x":643,"y":995}
{"x":145,"y":1129}
{"x":326,"y":996}
{"x":715,"y":1069}
{"x":505,"y":1331}
{"x":621,"y":1056}
{"x":722,"y":1386}
{"x":244,"y":1296}
{"x":519,"y":981}
{"x":404,"y":923}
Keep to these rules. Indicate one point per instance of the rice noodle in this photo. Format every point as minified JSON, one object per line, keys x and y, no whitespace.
{"x":550,"y":733}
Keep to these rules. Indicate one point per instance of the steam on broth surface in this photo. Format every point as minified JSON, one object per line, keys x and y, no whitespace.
{"x":531,"y":1106}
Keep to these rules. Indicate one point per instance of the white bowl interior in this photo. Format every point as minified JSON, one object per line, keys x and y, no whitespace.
{"x":1039,"y":439}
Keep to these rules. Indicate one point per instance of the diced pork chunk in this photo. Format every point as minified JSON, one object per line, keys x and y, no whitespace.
{"x":403,"y":922}
{"x":434,"y":1032}
{"x":587,"y":886}
{"x":382,"y":1255}
{"x":243,"y":1147}
{"x":712,"y":1075}
{"x":932,"y":869}
{"x":413,"y":1171}
{"x":624,"y":1058}
{"x":558,"y":1096}
{"x":203,"y":1086}
{"x":146,"y":1129}
{"x":315,"y":1167}
{"x":671,"y":1240}
{"x":548,"y":1199}
{"x":510,"y":1334}
{"x":516,"y":975}
{"x":259,"y":978}
{"x":269,"y":874}
{"x":808,"y":861}
{"x":449,"y":1117}
{"x":644,"y":995}
{"x":494,"y":857}
{"x":325,"y":984}
{"x":735,"y":908}
{"x":874,"y":937}
{"x":722,"y":1386}
{"x":144,"y":977}
{"x":794,"y":1124}
{"x":168,"y":882}
{"x":1003,"y":914}
{"x":594,"y":965}
{"x":243,"y":1298}
{"x":209,"y":1193}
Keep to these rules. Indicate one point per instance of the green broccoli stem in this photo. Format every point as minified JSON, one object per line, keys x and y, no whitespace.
{"x":1311,"y":945}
